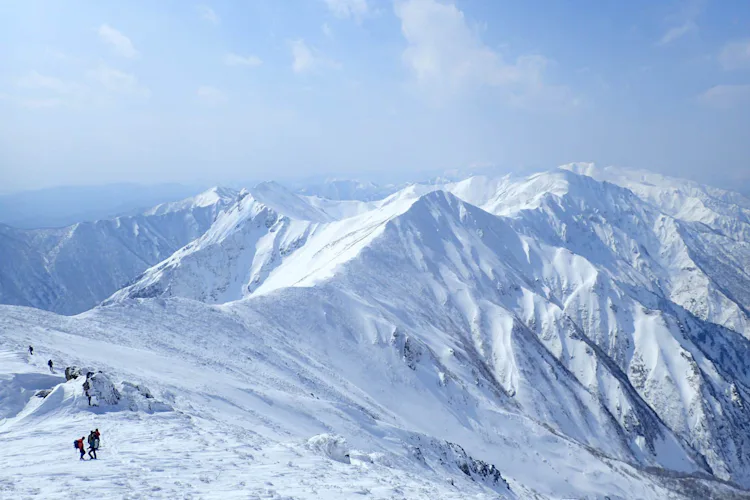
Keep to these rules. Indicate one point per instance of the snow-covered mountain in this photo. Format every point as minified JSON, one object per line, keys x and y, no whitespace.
{"x":569,"y":336}
{"x":348,"y":189}
{"x":71,"y":269}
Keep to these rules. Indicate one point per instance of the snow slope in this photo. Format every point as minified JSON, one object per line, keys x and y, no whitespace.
{"x":253,"y":239}
{"x":252,"y":408}
{"x":567,"y":335}
{"x":570,"y":286}
{"x":715,"y":227}
{"x":71,"y":269}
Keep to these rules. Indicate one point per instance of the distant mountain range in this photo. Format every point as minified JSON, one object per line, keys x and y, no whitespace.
{"x":598,"y":316}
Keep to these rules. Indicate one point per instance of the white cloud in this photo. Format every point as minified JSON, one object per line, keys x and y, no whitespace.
{"x":344,"y":9}
{"x":306,"y":59}
{"x":119,"y":82}
{"x":232,"y":59}
{"x":735,"y":55}
{"x":726,"y":96}
{"x":682,"y":22}
{"x":446,"y":55}
{"x":677,"y":32}
{"x":35,"y":80}
{"x":211,"y":95}
{"x":118,"y":41}
{"x":208,"y":14}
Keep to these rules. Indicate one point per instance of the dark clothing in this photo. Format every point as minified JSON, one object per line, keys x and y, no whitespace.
{"x":93,"y":444}
{"x":86,"y":387}
{"x":31,"y":350}
{"x":49,"y":363}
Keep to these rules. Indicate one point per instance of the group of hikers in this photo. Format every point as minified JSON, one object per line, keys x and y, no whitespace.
{"x":49,"y":363}
{"x":93,"y":439}
{"x":93,"y":442}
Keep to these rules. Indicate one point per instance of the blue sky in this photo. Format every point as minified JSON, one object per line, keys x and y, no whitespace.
{"x":222,"y":91}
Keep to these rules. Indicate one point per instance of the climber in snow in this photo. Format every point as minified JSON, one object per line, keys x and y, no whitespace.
{"x":31,"y":350}
{"x":93,"y":444}
{"x":87,"y":389}
{"x":49,"y":363}
{"x":78,"y":443}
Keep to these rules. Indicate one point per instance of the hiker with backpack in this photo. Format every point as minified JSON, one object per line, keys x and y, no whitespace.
{"x":31,"y":350}
{"x":93,"y":445}
{"x":49,"y":363}
{"x":78,"y":444}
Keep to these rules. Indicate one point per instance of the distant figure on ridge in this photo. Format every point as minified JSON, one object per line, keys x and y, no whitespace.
{"x":31,"y":350}
{"x":49,"y":363}
{"x":86,"y":388}
{"x":78,"y":443}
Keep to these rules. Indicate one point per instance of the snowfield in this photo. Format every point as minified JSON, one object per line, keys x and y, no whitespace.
{"x":572,"y":334}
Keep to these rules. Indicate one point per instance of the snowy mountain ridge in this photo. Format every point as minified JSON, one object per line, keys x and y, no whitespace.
{"x":583,"y":247}
{"x":71,"y":269}
{"x":554,"y":334}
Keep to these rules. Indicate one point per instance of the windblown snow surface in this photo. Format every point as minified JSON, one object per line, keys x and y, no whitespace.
{"x":554,"y":336}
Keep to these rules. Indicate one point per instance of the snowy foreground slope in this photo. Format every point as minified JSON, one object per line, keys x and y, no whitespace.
{"x":553,"y":336}
{"x":216,"y":402}
{"x":69,"y":270}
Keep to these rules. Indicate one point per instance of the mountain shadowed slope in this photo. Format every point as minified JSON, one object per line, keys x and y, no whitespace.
{"x":71,"y":269}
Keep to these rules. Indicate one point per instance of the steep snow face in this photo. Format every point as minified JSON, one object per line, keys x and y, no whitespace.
{"x":71,"y":269}
{"x":680,"y":198}
{"x":570,"y":287}
{"x":454,"y":278}
{"x":254,"y":238}
{"x":701,"y":268}
{"x":628,"y":280}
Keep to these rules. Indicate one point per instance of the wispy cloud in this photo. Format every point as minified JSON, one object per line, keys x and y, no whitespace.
{"x":35,"y":80}
{"x":122,"y":44}
{"x":683,"y":22}
{"x":42,"y":91}
{"x":735,"y":55}
{"x":344,"y":9}
{"x":208,"y":14}
{"x":119,"y":82}
{"x":232,"y":59}
{"x":446,"y":55}
{"x":211,"y":95}
{"x":677,"y":32}
{"x":307,"y":59}
{"x":726,"y":96}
